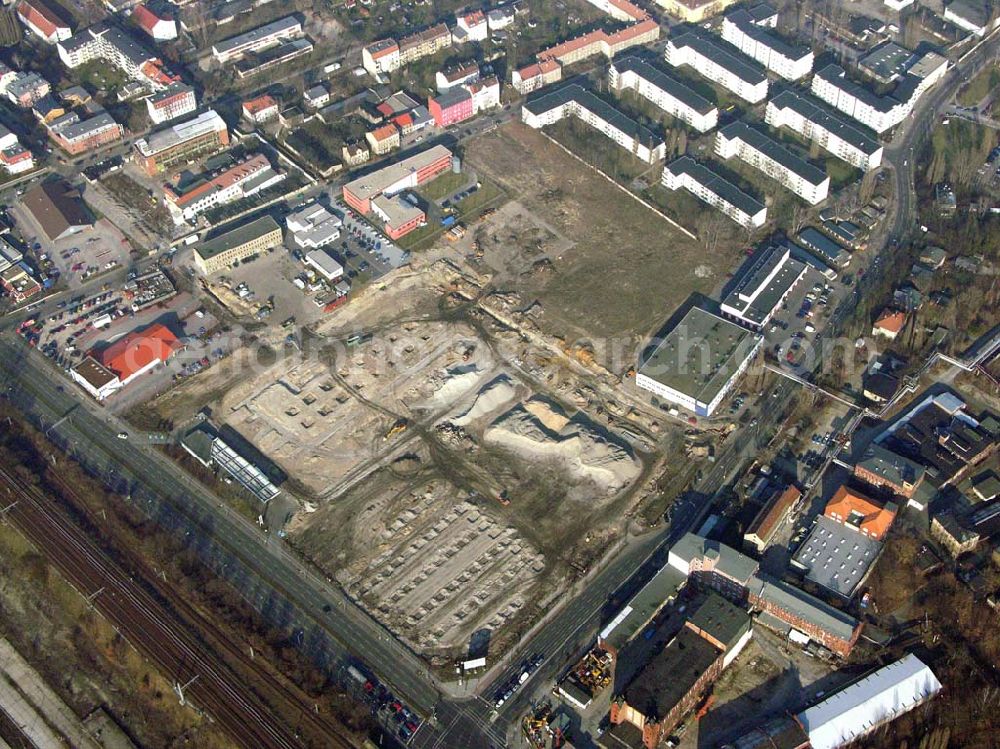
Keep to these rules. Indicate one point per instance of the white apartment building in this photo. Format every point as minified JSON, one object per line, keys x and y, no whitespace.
{"x":718,"y":192}
{"x":827,"y":129}
{"x":110,"y":43}
{"x":773,"y":159}
{"x":174,"y":101}
{"x":664,"y":91}
{"x":255,"y":40}
{"x":485,"y":94}
{"x":535,"y":76}
{"x":719,"y":62}
{"x":381,"y":57}
{"x":575,"y":101}
{"x":747,"y":30}
{"x":880,"y":113}
{"x":471,"y":27}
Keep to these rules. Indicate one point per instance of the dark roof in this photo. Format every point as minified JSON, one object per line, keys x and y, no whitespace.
{"x":57,"y":207}
{"x":747,"y":23}
{"x":774,"y":150}
{"x":723,"y":54}
{"x":714,"y":182}
{"x":883,"y":386}
{"x":665,"y":82}
{"x":811,"y":109}
{"x":765,"y":283}
{"x":837,"y":76}
{"x":721,"y":620}
{"x":671,"y":674}
{"x":586,"y":99}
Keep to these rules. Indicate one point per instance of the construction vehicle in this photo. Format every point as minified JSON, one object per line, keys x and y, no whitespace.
{"x":397,"y":428}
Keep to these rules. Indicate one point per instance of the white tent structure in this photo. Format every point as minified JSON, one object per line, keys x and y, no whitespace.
{"x":878,"y":698}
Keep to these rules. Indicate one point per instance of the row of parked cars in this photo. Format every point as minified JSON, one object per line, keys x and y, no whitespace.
{"x":508,"y":689}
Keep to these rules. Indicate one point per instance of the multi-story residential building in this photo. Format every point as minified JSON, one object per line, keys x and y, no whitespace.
{"x":14,"y":158}
{"x":451,"y":107}
{"x":242,"y":180}
{"x":471,"y":26}
{"x":176,"y":100}
{"x":600,"y":42}
{"x":485,"y":94}
{"x":456,"y":76}
{"x":747,"y":30}
{"x":355,"y":154}
{"x":829,"y":130}
{"x":663,"y":90}
{"x":535,"y":76}
{"x":500,"y":18}
{"x":278,"y":54}
{"x":424,"y":43}
{"x":76,"y":136}
{"x":763,"y":287}
{"x":710,"y":187}
{"x":316,"y":96}
{"x":880,"y":113}
{"x":575,"y":101}
{"x":159,"y":25}
{"x":694,"y":11}
{"x":26,"y":88}
{"x":110,"y":43}
{"x":43,"y":22}
{"x":720,"y":62}
{"x":383,"y":139}
{"x":256,"y":40}
{"x":773,"y":159}
{"x":261,"y":109}
{"x":620,"y":10}
{"x":381,"y":57}
{"x":220,"y":252}
{"x":181,"y":143}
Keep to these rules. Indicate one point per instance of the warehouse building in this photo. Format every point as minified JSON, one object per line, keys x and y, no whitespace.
{"x":698,"y":362}
{"x":869,"y":703}
{"x":826,"y":128}
{"x":57,"y":208}
{"x":104,"y":373}
{"x":720,"y":62}
{"x":836,"y":557}
{"x":220,"y":252}
{"x":775,"y":160}
{"x":164,"y":149}
{"x":664,"y":91}
{"x":255,"y":40}
{"x":325,"y":265}
{"x":764,"y":287}
{"x":747,"y":30}
{"x":576,"y":101}
{"x":710,"y":187}
{"x":662,"y":588}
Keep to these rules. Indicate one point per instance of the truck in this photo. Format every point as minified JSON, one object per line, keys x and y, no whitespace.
{"x":448,"y":221}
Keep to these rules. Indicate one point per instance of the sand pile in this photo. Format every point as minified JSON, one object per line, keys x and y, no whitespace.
{"x":539,"y":430}
{"x":493,"y":396}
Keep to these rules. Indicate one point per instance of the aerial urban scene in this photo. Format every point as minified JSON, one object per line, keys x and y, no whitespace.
{"x":473,"y":374}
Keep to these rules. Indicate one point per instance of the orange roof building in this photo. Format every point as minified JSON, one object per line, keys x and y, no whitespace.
{"x":889,"y":324}
{"x":139,"y":352}
{"x":771,"y":517}
{"x":854,"y":509}
{"x":260,"y":109}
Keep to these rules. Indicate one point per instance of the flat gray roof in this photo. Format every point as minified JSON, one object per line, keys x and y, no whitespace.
{"x":238,"y":236}
{"x":807,"y":607}
{"x":837,"y":557}
{"x":774,"y":150}
{"x":638,"y":612}
{"x":887,"y":61}
{"x":723,"y":54}
{"x":755,"y":303}
{"x":813,"y":239}
{"x":813,"y":110}
{"x":700,"y":355}
{"x":275,"y":27}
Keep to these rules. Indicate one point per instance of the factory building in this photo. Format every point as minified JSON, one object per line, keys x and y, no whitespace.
{"x":720,"y":63}
{"x":708,"y":186}
{"x":748,"y":31}
{"x":664,"y":91}
{"x":698,"y":362}
{"x":773,"y":159}
{"x":760,"y":291}
{"x":178,"y":144}
{"x":575,"y":101}
{"x":826,"y":128}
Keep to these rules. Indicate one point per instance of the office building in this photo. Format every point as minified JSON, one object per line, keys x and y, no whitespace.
{"x":762,"y":152}
{"x":698,"y":362}
{"x":664,"y":91}
{"x":76,"y":136}
{"x":176,"y":100}
{"x":257,"y":40}
{"x":751,"y":32}
{"x":242,"y":180}
{"x":720,"y":63}
{"x":575,"y":101}
{"x":763,"y":288}
{"x":176,"y":145}
{"x":831,"y":131}
{"x":708,"y":186}
{"x":236,"y":245}
{"x":394,"y":178}
{"x":312,"y":227}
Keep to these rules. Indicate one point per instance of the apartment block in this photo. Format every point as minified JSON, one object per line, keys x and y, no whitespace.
{"x":174,"y":101}
{"x":181,"y":143}
{"x":424,"y":43}
{"x":119,"y":48}
{"x":694,"y":11}
{"x":575,"y":101}
{"x":773,"y":159}
{"x":535,"y":76}
{"x":381,"y":57}
{"x":76,"y":136}
{"x":830,"y":130}
{"x":258,"y":39}
{"x":749,"y":31}
{"x":664,"y":91}
{"x":709,"y":187}
{"x":720,"y":63}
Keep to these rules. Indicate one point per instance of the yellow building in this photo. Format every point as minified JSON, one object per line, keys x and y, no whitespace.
{"x":250,"y":239}
{"x":694,"y":11}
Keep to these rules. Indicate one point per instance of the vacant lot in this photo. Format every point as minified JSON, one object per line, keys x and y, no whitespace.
{"x":626,"y":268}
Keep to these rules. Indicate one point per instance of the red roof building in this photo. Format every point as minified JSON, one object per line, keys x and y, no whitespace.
{"x":851,"y":508}
{"x":43,"y":22}
{"x":261,"y":109}
{"x":159,"y":26}
{"x":139,"y":352}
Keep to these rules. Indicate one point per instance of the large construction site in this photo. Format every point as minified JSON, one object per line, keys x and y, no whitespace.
{"x":456,"y":460}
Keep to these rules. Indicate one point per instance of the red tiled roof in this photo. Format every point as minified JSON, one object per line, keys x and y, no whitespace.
{"x":891,"y":321}
{"x":872,"y":519}
{"x":40,"y":17}
{"x":145,"y":18}
{"x":130,"y":354}
{"x":384,"y":132}
{"x":403,"y":120}
{"x":231,"y":176}
{"x":253,"y":106}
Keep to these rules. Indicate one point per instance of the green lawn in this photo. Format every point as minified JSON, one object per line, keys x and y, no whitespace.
{"x":443,"y":186}
{"x":987,"y":80}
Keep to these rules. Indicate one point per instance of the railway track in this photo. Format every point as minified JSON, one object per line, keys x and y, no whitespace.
{"x":158,"y":633}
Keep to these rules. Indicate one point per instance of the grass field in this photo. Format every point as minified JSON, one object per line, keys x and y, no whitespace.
{"x":987,"y":80}
{"x":627,"y":269}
